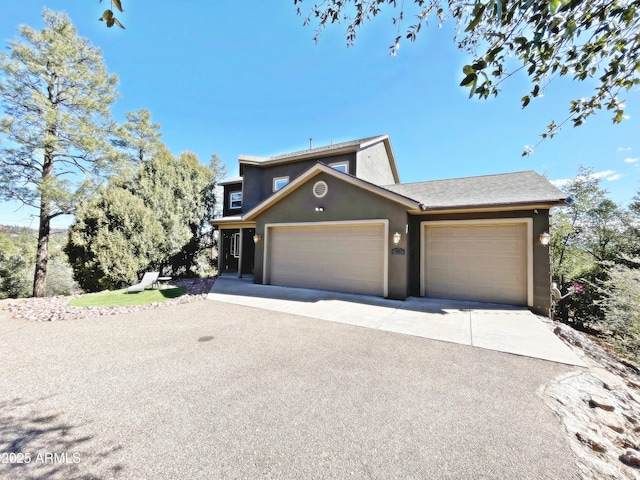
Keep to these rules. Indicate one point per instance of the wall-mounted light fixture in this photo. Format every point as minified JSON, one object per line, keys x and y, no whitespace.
{"x":319,"y":209}
{"x":257,"y":238}
{"x":545,"y":238}
{"x":396,"y":238}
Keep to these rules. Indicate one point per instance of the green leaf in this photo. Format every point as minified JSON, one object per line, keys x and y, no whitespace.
{"x":478,"y":11}
{"x":107,"y":15}
{"x":619,"y":116}
{"x":117,"y":4}
{"x":117,"y":22}
{"x":468,"y":80}
{"x":468,"y":70}
{"x":525,"y":100}
{"x":479,"y":65}
{"x":472,"y":90}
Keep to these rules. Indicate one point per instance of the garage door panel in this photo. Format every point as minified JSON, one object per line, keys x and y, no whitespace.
{"x":347,"y":258}
{"x":481,"y":232}
{"x":476,"y":262}
{"x":484,"y":246}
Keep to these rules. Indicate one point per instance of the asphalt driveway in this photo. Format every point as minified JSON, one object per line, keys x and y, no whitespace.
{"x":216,"y":390}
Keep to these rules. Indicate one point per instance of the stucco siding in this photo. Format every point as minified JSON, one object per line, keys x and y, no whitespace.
{"x":342,"y":202}
{"x":226,"y":204}
{"x":258,"y":181}
{"x":540,"y":254}
{"x":373,"y":165}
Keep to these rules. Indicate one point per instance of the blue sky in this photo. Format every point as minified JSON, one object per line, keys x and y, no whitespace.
{"x":246,"y":78}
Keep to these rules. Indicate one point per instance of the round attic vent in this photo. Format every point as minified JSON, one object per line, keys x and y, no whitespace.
{"x":320,"y":189}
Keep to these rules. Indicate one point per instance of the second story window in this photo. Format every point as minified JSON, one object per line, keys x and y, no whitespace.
{"x":235,"y":200}
{"x":340,"y":166}
{"x":279,"y":182}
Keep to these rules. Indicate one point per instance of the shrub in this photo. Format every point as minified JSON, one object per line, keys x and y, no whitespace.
{"x":621,"y":305}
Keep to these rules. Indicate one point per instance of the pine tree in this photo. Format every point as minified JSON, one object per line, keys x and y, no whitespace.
{"x":56,"y":95}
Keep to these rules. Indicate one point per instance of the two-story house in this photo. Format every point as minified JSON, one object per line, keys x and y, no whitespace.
{"x":337,"y":218}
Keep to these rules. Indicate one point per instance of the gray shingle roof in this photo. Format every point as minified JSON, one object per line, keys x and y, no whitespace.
{"x":355,"y":144}
{"x":502,"y":189}
{"x":227,"y":181}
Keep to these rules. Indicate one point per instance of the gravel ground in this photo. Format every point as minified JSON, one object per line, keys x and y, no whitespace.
{"x":213,"y":390}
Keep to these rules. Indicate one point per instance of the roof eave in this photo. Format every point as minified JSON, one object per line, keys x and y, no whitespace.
{"x":542,"y":204}
{"x":297,"y":158}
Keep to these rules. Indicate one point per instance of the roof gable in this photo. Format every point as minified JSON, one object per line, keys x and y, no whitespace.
{"x":322,"y":168}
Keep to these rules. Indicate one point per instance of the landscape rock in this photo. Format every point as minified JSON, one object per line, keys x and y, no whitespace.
{"x":610,"y":381}
{"x":53,"y":309}
{"x":626,"y":442}
{"x":610,"y":420}
{"x":598,"y":409}
{"x":591,"y":442}
{"x":631,"y":457}
{"x":601,"y":402}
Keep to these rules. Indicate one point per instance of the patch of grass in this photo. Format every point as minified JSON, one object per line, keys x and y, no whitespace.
{"x":120,"y":298}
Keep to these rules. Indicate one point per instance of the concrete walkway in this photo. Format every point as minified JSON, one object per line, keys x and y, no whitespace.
{"x":495,"y":327}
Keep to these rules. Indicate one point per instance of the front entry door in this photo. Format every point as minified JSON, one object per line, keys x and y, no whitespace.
{"x":230,"y":250}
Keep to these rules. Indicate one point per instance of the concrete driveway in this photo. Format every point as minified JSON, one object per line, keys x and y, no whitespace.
{"x":212,"y":390}
{"x":494,"y":327}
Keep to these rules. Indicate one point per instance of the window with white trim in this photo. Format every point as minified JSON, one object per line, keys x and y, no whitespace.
{"x":235,"y":245}
{"x":340,"y":166}
{"x":235,"y":200}
{"x":279,"y":182}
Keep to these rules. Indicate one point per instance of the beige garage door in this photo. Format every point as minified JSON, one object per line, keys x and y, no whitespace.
{"x":344,"y":258}
{"x":483,"y":262}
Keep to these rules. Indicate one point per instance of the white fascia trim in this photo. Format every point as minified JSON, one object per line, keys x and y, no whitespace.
{"x":266,"y":274}
{"x":373,"y":141}
{"x":295,"y":158}
{"x":527,"y":221}
{"x":251,"y":159}
{"x":230,"y":181}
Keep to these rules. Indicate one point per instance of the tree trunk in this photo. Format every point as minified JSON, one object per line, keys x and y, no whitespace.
{"x":42,"y":254}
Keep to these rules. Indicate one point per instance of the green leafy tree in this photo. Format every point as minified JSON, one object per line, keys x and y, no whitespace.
{"x":56,"y":95}
{"x":113,"y":239}
{"x":140,"y":137}
{"x":588,"y":231}
{"x":14,"y":269}
{"x":158,"y":219}
{"x":594,"y":40}
{"x":587,"y":236}
{"x":634,"y":224}
{"x":621,"y":304}
{"x":196,"y":258}
{"x":178,"y":190}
